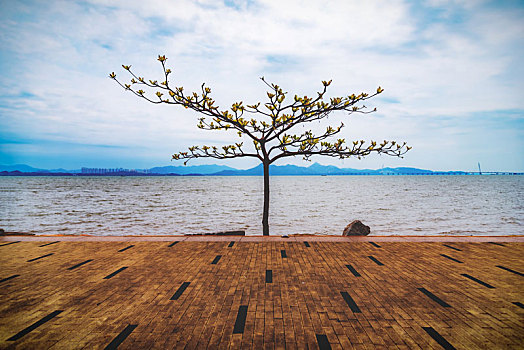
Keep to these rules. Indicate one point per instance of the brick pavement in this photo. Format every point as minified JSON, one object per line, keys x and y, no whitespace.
{"x":233,"y":292}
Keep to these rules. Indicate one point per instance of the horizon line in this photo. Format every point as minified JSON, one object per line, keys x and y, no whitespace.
{"x":145,"y":170}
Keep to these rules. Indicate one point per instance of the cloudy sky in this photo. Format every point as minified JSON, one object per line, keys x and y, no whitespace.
{"x":452,"y":72}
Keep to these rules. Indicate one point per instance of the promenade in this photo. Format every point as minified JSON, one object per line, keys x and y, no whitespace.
{"x":261,"y":292}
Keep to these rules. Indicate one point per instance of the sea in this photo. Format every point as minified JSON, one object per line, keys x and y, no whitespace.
{"x":389,"y":205}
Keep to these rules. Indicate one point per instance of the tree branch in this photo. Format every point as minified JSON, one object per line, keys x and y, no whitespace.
{"x":283,"y":117}
{"x":225,"y":152}
{"x":340,"y":150}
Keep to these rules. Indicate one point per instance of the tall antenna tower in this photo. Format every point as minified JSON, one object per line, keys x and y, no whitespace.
{"x":480,"y":171}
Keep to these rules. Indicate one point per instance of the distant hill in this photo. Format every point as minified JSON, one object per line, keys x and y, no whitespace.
{"x":223,"y":170}
{"x":62,"y":170}
{"x":22,"y":168}
{"x":318,"y":169}
{"x":181,"y":170}
{"x":388,"y":171}
{"x":194,"y":169}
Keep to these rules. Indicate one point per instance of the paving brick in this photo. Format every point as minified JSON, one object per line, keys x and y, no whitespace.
{"x":303,"y":299}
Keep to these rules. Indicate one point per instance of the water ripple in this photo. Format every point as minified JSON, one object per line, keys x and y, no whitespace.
{"x":403,"y":205}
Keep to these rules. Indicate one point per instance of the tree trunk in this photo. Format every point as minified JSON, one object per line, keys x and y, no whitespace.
{"x":265,"y":216}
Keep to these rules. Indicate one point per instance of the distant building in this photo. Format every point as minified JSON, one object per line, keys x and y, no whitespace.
{"x":104,"y":171}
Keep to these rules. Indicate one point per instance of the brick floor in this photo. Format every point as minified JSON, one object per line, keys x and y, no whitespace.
{"x":258,"y":293}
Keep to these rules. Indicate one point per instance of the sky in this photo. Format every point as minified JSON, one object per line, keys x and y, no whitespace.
{"x":452,"y":73}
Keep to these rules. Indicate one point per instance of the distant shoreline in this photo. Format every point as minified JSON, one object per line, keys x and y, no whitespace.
{"x":135,"y":174}
{"x":314,"y":169}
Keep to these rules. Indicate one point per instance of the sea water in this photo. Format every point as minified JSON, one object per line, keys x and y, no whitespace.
{"x":390,"y":205}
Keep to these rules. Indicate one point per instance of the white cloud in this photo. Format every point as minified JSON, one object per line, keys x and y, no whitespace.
{"x":463,"y":61}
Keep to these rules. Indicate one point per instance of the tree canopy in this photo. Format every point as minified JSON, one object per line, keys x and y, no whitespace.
{"x":269,"y":126}
{"x":277,"y":118}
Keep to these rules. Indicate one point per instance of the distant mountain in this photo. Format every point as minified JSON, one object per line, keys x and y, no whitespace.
{"x":195,"y":169}
{"x":62,"y":170}
{"x":181,"y":170}
{"x":223,"y":170}
{"x":388,"y":171}
{"x":22,"y":168}
{"x":318,"y":169}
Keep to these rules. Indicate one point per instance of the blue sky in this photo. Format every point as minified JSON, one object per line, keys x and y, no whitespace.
{"x":452,"y":73}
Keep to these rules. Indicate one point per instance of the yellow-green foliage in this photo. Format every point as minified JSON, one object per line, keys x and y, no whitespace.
{"x":272,"y":132}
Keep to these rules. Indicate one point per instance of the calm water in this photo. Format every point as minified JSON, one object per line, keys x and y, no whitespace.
{"x":398,"y":205}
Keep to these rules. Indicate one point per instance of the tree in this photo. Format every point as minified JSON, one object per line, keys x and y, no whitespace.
{"x":271,"y":135}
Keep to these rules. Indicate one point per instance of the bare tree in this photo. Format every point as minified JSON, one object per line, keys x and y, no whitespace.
{"x":271,"y":134}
